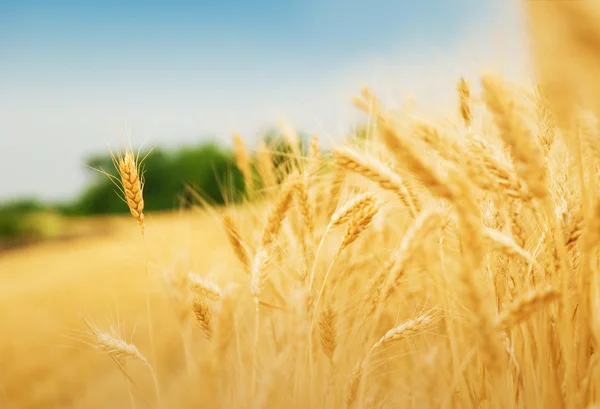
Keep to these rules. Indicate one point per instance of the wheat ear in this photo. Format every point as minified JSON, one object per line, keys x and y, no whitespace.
{"x":464,"y":98}
{"x":376,"y":172}
{"x":520,"y":309}
{"x":358,"y":223}
{"x":203,"y":316}
{"x":528,"y":156}
{"x":327,"y":327}
{"x":204,"y":287}
{"x":402,"y":331}
{"x":133,"y":185}
{"x":301,"y":191}
{"x":234,"y":237}
{"x":121,"y":351}
{"x":277,"y":213}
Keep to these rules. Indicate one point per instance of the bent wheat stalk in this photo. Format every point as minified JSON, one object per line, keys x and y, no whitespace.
{"x":376,"y":172}
{"x":121,"y":351}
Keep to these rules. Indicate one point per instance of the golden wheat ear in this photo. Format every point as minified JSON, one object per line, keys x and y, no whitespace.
{"x":130,"y":182}
{"x":132,"y":186}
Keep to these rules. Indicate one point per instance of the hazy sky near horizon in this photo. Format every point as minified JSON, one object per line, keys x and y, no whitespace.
{"x":75,"y":75}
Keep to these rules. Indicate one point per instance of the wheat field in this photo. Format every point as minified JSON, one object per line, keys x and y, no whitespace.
{"x":437,"y":263}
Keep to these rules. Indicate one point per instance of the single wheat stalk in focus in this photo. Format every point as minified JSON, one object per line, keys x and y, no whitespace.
{"x":130,"y":182}
{"x":132,"y":186}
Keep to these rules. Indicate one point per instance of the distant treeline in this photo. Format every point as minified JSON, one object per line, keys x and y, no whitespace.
{"x":173,"y":179}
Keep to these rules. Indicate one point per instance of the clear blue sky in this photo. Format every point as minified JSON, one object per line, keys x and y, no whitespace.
{"x":77,"y":74}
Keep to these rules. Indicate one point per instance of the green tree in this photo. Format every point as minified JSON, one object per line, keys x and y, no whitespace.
{"x":169,"y":179}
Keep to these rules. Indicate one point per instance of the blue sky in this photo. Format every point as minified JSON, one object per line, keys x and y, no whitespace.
{"x":77,"y":74}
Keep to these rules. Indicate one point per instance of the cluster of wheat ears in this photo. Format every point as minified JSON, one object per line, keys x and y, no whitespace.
{"x":432,"y":264}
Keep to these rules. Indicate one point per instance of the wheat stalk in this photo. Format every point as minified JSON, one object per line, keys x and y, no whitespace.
{"x":529,"y":162}
{"x":244,"y":163}
{"x":524,"y":306}
{"x":116,"y":347}
{"x":327,"y":326}
{"x":203,"y":316}
{"x":358,"y":223}
{"x":402,"y":331}
{"x":132,"y":184}
{"x":343,"y":214}
{"x":277,"y":213}
{"x":204,"y":287}
{"x":234,"y":237}
{"x":375,"y":171}
{"x":305,"y":206}
{"x":464,"y":97}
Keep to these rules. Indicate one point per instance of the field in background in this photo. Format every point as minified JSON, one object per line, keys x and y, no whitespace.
{"x":44,"y":288}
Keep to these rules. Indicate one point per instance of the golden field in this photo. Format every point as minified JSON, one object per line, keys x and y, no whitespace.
{"x":46,"y":361}
{"x":435,"y":263}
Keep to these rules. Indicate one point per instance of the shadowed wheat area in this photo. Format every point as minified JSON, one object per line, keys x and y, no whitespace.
{"x":435,"y":263}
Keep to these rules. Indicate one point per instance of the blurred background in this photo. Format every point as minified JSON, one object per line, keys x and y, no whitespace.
{"x":180,"y":77}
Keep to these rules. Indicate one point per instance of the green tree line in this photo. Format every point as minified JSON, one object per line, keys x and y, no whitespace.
{"x":172,"y":179}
